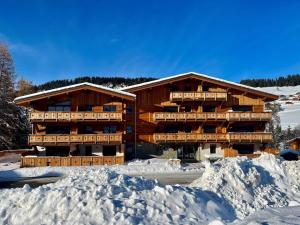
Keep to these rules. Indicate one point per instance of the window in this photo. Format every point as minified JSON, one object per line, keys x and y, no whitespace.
{"x":242,"y":108}
{"x":207,"y":108}
{"x":171,"y":129}
{"x":109,"y":150}
{"x":129,"y":129}
{"x":129,"y":109}
{"x":60,"y":107}
{"x":170,"y":109}
{"x":85,"y":108}
{"x":58,"y":130}
{"x":187,"y":108}
{"x":239,"y":128}
{"x":212,"y":149}
{"x":109,"y":108}
{"x":88,"y":130}
{"x":244,"y":148}
{"x":187,"y":88}
{"x":205,"y":88}
{"x":109,"y":129}
{"x":210,"y":129}
{"x":174,"y":88}
{"x":188,"y":129}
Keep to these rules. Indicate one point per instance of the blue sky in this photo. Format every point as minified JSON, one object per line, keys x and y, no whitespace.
{"x":228,"y":39}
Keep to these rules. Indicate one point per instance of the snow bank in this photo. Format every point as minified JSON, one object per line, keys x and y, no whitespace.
{"x":275,"y":216}
{"x":249,"y":185}
{"x":152,"y":166}
{"x":101,"y":196}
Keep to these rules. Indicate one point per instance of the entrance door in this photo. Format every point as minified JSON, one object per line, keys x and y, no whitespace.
{"x":88,"y":150}
{"x":109,"y":150}
{"x":187,"y":152}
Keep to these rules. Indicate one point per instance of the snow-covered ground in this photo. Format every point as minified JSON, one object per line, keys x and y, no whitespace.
{"x":286,"y":90}
{"x":232,"y":190}
{"x":290,"y":116}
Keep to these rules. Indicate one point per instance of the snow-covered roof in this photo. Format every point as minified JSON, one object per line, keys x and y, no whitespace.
{"x":294,"y":139}
{"x":100,"y":87}
{"x":154,"y":82}
{"x":287,"y":151}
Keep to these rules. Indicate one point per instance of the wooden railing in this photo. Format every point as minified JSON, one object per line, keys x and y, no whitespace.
{"x":78,"y":116}
{"x":71,"y":161}
{"x":228,"y":137}
{"x":198,"y":96}
{"x":75,"y":138}
{"x":199,"y":116}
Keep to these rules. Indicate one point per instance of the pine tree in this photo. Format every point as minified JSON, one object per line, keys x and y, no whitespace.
{"x":7,"y":74}
{"x":14,"y":126}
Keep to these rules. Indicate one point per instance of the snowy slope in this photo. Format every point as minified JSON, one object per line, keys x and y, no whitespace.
{"x":286,"y":90}
{"x":290,"y":116}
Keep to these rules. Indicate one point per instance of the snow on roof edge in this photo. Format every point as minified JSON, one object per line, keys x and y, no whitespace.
{"x":197,"y":74}
{"x":73,"y":86}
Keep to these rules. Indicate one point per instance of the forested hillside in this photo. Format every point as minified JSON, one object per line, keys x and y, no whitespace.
{"x":290,"y":80}
{"x":106,"y":81}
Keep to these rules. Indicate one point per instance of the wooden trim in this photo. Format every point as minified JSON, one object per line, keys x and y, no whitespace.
{"x":75,"y":116}
{"x":50,"y":139}
{"x":71,"y":161}
{"x":203,"y":116}
{"x":202,"y":78}
{"x":72,"y":89}
{"x":236,"y":137}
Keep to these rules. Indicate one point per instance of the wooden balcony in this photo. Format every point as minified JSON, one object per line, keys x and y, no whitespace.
{"x":198,"y":96}
{"x":202,"y":116}
{"x":71,"y":161}
{"x":255,"y":137}
{"x":52,"y":139}
{"x":76,"y":116}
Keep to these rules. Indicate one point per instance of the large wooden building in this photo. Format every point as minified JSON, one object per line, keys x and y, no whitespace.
{"x":189,"y":116}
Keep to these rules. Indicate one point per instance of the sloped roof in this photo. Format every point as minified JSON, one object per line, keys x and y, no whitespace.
{"x":75,"y":87}
{"x":204,"y":77}
{"x":294,"y":139}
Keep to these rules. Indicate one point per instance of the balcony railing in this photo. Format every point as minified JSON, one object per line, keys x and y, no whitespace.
{"x":262,"y":137}
{"x":77,"y":116}
{"x":71,"y":161}
{"x":75,"y":138}
{"x":198,"y":96}
{"x":200,"y":116}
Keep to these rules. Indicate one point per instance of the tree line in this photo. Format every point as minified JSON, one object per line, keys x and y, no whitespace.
{"x":106,"y":81}
{"x":290,"y":80}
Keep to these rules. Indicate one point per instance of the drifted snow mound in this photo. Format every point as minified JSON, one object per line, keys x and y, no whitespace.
{"x":250,"y":185}
{"x":101,"y":196}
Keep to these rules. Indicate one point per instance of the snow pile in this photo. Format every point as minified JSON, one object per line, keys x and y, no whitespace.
{"x":140,"y":167}
{"x":250,"y":185}
{"x":101,"y":196}
{"x":275,"y":216}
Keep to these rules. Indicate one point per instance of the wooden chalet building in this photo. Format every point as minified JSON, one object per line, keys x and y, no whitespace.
{"x":89,"y":122}
{"x":189,"y":116}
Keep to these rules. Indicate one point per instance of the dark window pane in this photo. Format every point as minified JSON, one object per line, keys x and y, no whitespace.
{"x":58,"y":130}
{"x":242,"y":108}
{"x":170,"y":109}
{"x":209,"y":108}
{"x":210,"y":129}
{"x":129,"y":129}
{"x":129,"y":109}
{"x":109,"y":108}
{"x":188,"y":108}
{"x":212,"y":149}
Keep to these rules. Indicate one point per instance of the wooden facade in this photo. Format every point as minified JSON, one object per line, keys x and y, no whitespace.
{"x":191,"y":112}
{"x":83,"y":124}
{"x":191,"y":115}
{"x":294,"y":144}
